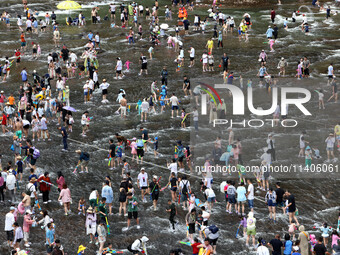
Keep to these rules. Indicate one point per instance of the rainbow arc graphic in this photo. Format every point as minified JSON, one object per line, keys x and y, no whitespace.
{"x":209,"y":93}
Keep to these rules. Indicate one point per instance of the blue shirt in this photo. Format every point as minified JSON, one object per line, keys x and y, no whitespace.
{"x":288,"y":247}
{"x":24,"y":75}
{"x":241,"y":193}
{"x":50,"y":236}
{"x":90,"y":36}
{"x":263,"y":71}
{"x":269,"y":32}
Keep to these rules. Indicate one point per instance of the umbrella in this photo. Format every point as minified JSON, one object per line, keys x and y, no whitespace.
{"x":69,"y":5}
{"x":69,"y":108}
{"x":246,"y":14}
{"x":164,"y":26}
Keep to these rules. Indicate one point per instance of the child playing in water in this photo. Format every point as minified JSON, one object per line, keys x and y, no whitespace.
{"x":271,"y":43}
{"x":126,"y":167}
{"x":81,"y":206}
{"x":192,"y":202}
{"x":183,"y":118}
{"x":133,"y":147}
{"x":321,"y":96}
{"x":127,"y":65}
{"x":138,"y":106}
{"x":308,"y":157}
{"x":316,"y":153}
{"x":243,"y":223}
{"x":313,"y":242}
{"x":150,"y":50}
{"x":291,"y":231}
{"x":325,"y":229}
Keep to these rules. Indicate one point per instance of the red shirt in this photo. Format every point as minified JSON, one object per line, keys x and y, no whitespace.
{"x":17,"y":54}
{"x":4,"y":120}
{"x":195,"y":250}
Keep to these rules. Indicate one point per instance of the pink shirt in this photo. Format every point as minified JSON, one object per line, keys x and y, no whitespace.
{"x":27,"y":223}
{"x":60,"y":182}
{"x":335,"y":239}
{"x":133,"y":148}
{"x":65,"y":195}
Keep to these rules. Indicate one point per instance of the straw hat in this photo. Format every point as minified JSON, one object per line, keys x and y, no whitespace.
{"x":19,"y":158}
{"x":81,"y":248}
{"x":91,"y":210}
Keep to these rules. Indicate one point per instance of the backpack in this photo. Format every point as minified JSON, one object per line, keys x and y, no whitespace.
{"x":140,"y":143}
{"x":185,"y":188}
{"x":213,"y":229}
{"x":36,"y":153}
{"x":87,"y":155}
{"x":28,"y":190}
{"x":180,"y":152}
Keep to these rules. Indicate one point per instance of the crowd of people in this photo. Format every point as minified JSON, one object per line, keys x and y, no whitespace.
{"x":44,"y":100}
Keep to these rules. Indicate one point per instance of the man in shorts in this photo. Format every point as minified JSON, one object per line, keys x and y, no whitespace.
{"x":132,"y":210}
{"x":123,"y":106}
{"x":174,"y":105}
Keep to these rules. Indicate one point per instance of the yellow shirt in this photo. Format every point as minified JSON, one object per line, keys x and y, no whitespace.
{"x":337,"y":130}
{"x":210,"y":43}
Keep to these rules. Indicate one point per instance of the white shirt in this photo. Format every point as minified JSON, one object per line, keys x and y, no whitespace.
{"x":330,"y":70}
{"x":174,"y":101}
{"x":28,"y":23}
{"x":205,"y":215}
{"x":93,"y":195}
{"x":145,"y":106}
{"x":49,"y":59}
{"x":173,"y":168}
{"x":251,"y":192}
{"x":9,"y":221}
{"x":204,"y":58}
{"x":119,"y":65}
{"x":60,"y":84}
{"x":96,"y":38}
{"x":95,"y":77}
{"x":267,"y":157}
{"x":184,"y":182}
{"x":262,"y":250}
{"x":104,"y":85}
{"x":113,"y":8}
{"x":11,"y":181}
{"x":86,"y":87}
{"x":83,"y":119}
{"x":31,"y":187}
{"x":141,"y":7}
{"x":143,"y":179}
{"x":192,"y":52}
{"x":73,"y":57}
{"x":210,"y":193}
{"x":91,"y":84}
